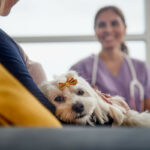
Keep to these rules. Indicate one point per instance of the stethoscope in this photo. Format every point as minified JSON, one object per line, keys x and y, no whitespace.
{"x":133,"y":83}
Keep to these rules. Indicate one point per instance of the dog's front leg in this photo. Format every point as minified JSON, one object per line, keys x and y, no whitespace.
{"x":117,"y":116}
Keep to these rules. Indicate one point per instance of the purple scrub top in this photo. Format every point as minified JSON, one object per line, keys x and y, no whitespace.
{"x":118,"y":84}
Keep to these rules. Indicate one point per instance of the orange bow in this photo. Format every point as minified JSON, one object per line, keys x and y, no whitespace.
{"x":69,"y":82}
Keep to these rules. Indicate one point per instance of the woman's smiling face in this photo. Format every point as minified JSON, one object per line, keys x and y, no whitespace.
{"x":110,"y":29}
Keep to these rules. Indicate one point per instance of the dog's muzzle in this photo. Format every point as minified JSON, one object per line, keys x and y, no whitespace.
{"x":78,"y":107}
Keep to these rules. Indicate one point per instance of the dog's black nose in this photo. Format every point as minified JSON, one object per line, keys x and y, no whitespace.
{"x":78,"y":107}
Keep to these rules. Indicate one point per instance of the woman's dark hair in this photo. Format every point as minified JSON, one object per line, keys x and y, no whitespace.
{"x":117,"y":11}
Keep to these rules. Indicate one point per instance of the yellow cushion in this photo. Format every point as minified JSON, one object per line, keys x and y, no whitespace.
{"x":18,"y":107}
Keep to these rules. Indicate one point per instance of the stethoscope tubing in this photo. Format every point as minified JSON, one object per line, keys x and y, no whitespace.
{"x":133,"y":83}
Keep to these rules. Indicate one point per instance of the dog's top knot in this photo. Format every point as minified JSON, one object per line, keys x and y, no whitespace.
{"x":70,"y":81}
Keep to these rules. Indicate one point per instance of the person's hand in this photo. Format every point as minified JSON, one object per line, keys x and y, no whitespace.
{"x":104,"y":96}
{"x":121,"y":103}
{"x":107,"y":99}
{"x":6,"y":5}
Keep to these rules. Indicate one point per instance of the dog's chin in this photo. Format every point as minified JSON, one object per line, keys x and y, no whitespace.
{"x":81,"y":119}
{"x":80,"y":116}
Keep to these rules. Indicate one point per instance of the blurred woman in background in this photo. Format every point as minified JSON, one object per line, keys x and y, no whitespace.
{"x":112,"y":71}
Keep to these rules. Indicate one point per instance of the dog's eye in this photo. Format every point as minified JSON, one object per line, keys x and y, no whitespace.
{"x":59,"y":99}
{"x":80,"y":92}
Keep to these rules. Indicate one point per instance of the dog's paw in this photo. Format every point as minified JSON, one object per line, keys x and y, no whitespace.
{"x":117,"y":115}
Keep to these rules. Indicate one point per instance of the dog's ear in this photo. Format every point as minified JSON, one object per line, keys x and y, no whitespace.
{"x":117,"y":115}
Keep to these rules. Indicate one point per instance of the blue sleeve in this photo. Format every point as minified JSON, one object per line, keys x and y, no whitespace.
{"x":12,"y":59}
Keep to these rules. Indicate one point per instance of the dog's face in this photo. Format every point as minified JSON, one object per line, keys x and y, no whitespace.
{"x":74,"y":103}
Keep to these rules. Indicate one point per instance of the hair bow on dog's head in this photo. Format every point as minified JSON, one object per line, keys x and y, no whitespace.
{"x":69,"y":82}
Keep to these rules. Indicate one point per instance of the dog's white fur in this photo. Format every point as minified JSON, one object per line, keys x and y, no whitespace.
{"x":92,"y":102}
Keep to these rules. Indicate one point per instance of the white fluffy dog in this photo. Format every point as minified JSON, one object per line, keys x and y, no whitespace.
{"x":77,"y":102}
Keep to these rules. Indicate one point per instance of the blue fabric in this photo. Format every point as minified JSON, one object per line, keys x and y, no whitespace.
{"x":12,"y":59}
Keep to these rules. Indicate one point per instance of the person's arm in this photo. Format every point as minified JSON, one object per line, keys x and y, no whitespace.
{"x":12,"y":60}
{"x":147,"y":104}
{"x":35,"y":69}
